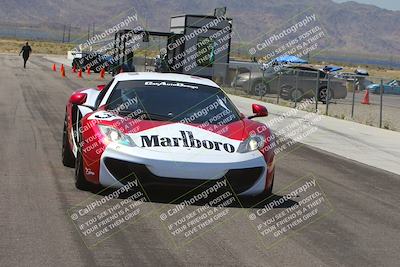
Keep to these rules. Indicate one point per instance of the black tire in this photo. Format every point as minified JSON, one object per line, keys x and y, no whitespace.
{"x":68,"y":158}
{"x":322,"y":94}
{"x":285,"y":91}
{"x":259,"y":88}
{"x":296,"y":95}
{"x":269,"y":191}
{"x":80,"y":180}
{"x":75,"y":63}
{"x":265,"y":194}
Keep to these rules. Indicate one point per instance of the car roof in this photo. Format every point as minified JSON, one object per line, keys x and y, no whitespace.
{"x":157,"y":76}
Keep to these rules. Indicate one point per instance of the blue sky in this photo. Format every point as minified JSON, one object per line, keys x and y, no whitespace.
{"x":388,"y":4}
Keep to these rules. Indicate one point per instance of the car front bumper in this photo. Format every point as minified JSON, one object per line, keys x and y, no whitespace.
{"x":245,"y":173}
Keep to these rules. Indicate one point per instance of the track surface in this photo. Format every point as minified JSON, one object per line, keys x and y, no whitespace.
{"x":37,"y":190}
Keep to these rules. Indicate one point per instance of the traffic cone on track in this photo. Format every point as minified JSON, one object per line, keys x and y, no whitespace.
{"x":80,"y":73}
{"x":54,"y":67}
{"x":365,"y":100}
{"x":88,"y":70}
{"x":102,"y":73}
{"x":74,"y":69}
{"x":63,"y":72}
{"x":62,"y":68}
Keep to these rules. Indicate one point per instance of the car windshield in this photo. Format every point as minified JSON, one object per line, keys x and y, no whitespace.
{"x":172,"y":101}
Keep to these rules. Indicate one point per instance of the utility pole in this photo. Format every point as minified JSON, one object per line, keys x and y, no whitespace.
{"x":69,"y":33}
{"x":93,"y":29}
{"x":88,"y":32}
{"x":64,"y":34}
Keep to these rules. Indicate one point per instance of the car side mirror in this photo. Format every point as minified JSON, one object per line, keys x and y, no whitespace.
{"x":101,"y":87}
{"x":259,"y":111}
{"x":78,"y":98}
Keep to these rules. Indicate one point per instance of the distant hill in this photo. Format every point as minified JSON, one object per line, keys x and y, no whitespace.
{"x":351,"y":27}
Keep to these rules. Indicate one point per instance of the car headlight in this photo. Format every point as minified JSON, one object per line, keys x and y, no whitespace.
{"x":252,"y":143}
{"x":114,"y":135}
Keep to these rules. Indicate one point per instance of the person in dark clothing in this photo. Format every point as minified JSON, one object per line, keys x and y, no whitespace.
{"x":26,"y":51}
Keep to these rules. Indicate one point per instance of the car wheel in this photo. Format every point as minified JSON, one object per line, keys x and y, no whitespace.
{"x":322,"y":94}
{"x":76,"y":64}
{"x":269,"y":191}
{"x":284,"y":92}
{"x":68,"y":158}
{"x":80,"y":180}
{"x":296,"y":95}
{"x":266,"y":194}
{"x":260,"y":88}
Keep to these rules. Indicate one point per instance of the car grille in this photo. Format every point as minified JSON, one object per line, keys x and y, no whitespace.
{"x":124,"y":171}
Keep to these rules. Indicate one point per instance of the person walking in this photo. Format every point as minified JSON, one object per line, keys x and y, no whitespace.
{"x":26,"y":51}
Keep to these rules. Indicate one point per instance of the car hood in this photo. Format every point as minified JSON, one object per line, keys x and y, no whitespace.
{"x":245,"y":76}
{"x":184,"y":138}
{"x":373,"y":86}
{"x":176,"y":137}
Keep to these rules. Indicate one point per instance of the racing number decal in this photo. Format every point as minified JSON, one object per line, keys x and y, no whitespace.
{"x":103,"y":115}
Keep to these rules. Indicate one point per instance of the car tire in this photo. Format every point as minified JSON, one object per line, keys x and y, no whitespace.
{"x":80,"y":180}
{"x":68,"y":158}
{"x":296,"y":95}
{"x":266,"y":194}
{"x":260,"y":88}
{"x":284,"y":92}
{"x":76,"y":64}
{"x":269,"y":191}
{"x":322,"y":93}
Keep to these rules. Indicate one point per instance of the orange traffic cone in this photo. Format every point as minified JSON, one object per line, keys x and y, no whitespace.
{"x":63,"y":72}
{"x":102,"y":73}
{"x":365,"y":100}
{"x":88,"y":70}
{"x":80,"y":73}
{"x":54,"y":67}
{"x":62,"y":67}
{"x":74,"y":69}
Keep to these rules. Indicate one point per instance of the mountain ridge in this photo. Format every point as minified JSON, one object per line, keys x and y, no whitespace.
{"x":351,"y":26}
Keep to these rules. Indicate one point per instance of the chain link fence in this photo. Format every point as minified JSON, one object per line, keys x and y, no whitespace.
{"x":369,"y":100}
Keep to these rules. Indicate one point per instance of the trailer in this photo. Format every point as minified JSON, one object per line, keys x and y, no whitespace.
{"x":195,"y":45}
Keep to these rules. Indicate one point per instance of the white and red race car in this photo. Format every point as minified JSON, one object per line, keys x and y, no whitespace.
{"x":166,"y":130}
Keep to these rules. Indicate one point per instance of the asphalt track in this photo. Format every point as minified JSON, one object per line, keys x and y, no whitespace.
{"x":36,"y":192}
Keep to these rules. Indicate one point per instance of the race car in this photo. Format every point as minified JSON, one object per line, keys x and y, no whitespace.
{"x":166,"y":130}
